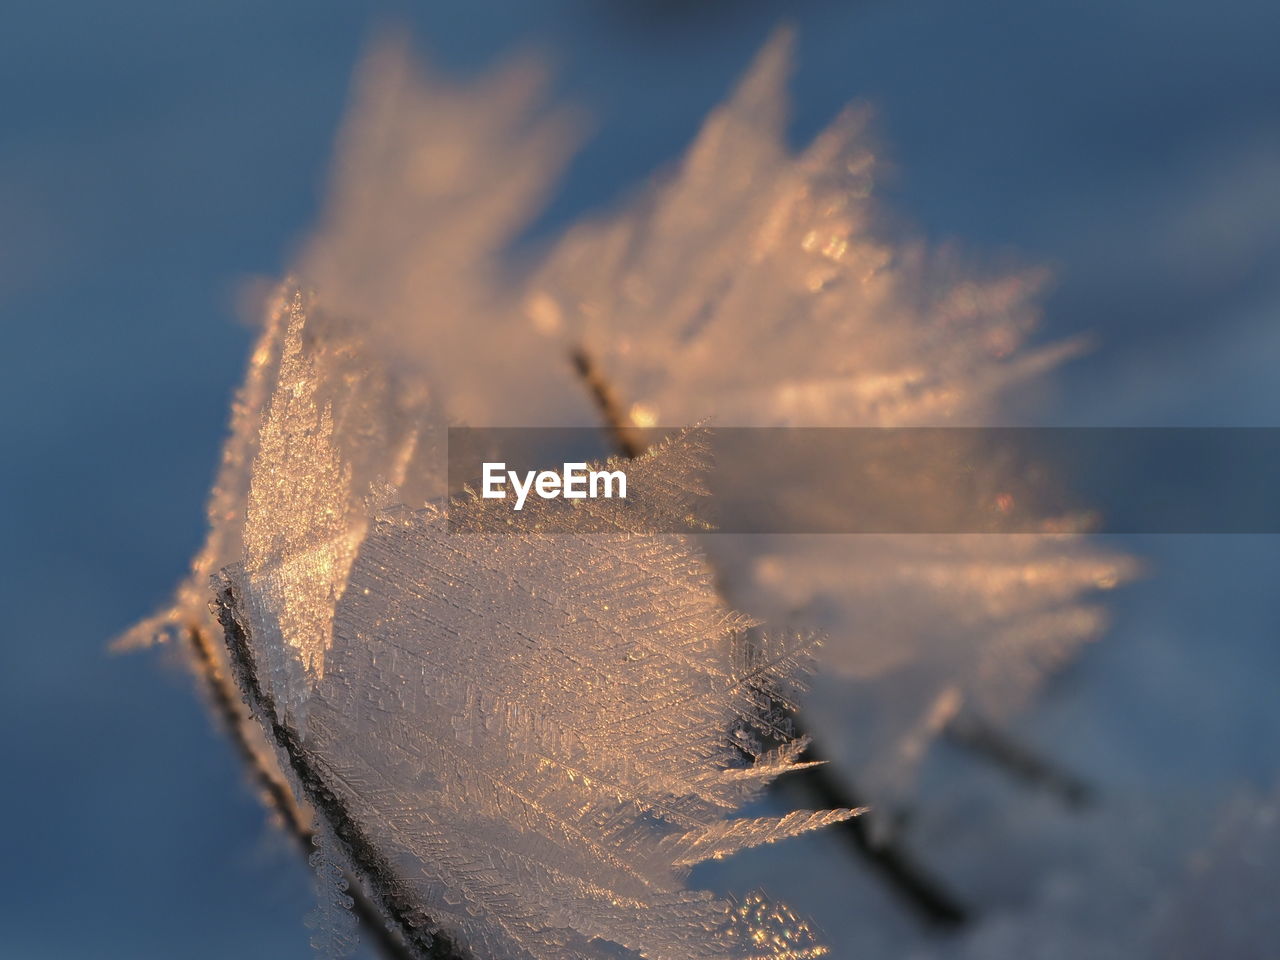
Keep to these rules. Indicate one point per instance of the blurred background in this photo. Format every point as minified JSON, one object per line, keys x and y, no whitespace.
{"x":157,"y":158}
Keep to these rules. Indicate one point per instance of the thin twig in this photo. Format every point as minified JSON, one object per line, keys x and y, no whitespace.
{"x":384,"y":889}
{"x":227,"y":703}
{"x":925,"y":896}
{"x":1019,"y":761}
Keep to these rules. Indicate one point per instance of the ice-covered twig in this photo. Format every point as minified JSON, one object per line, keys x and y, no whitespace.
{"x":383,"y":897}
{"x":227,"y":704}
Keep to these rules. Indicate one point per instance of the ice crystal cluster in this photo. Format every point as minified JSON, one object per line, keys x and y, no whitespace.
{"x":755,"y":288}
{"x":518,"y":744}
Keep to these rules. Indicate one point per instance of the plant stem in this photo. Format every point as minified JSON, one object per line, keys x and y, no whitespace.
{"x":1023,"y":764}
{"x":925,"y":896}
{"x":228,"y":704}
{"x":627,"y":439}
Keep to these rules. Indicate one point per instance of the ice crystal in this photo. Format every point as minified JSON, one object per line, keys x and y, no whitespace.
{"x":922,"y":628}
{"x":755,"y":287}
{"x":335,"y":433}
{"x":364,"y":429}
{"x":431,"y":184}
{"x":523,"y":740}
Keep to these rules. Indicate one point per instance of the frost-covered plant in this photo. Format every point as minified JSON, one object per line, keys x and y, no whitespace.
{"x":754,"y":288}
{"x":517,"y":745}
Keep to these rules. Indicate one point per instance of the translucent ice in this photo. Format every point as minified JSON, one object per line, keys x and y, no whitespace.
{"x":526,"y":737}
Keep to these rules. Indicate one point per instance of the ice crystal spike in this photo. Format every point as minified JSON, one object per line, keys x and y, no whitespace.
{"x":325,"y":397}
{"x":431,"y":184}
{"x":337,"y":433}
{"x":754,"y":287}
{"x":920,"y":628}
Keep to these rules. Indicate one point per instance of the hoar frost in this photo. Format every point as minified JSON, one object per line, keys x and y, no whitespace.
{"x":520,"y":742}
{"x":518,"y":745}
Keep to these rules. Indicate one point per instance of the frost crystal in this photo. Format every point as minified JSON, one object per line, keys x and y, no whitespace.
{"x":535,"y":729}
{"x":335,"y":434}
{"x":431,"y":185}
{"x":755,"y":288}
{"x":921,"y":628}
{"x":523,"y":740}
